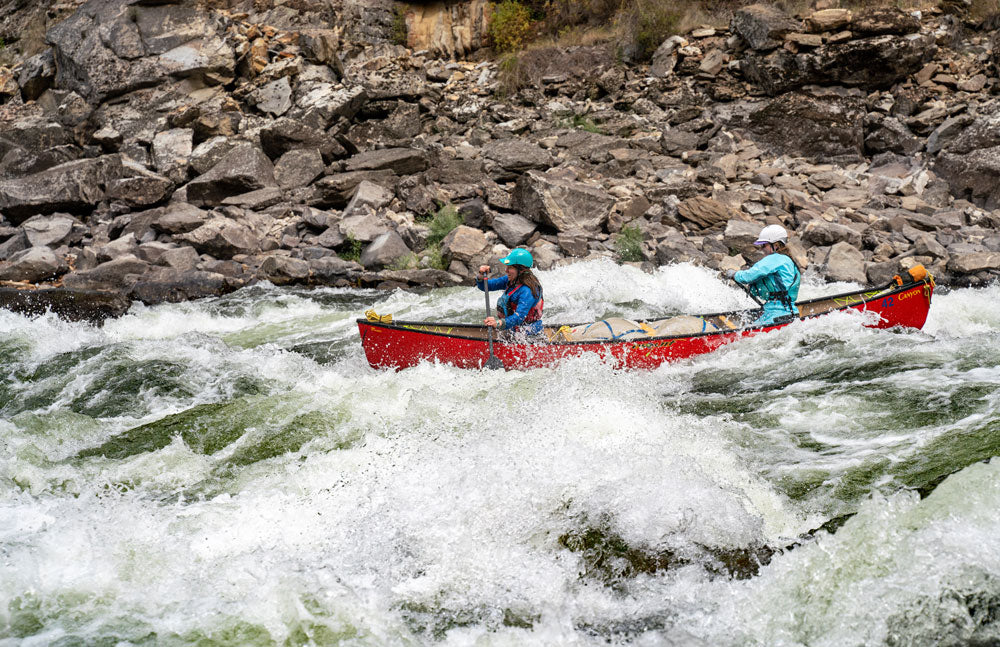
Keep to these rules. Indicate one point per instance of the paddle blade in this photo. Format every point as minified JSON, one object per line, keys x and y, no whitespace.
{"x":493,"y":363}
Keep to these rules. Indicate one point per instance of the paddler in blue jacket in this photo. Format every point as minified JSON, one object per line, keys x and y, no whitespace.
{"x":774,"y":279}
{"x":520,"y":307}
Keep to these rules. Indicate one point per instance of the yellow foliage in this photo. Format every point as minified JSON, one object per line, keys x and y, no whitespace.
{"x":510,"y":26}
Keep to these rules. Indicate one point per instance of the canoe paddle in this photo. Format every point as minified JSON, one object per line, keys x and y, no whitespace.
{"x":493,"y":362}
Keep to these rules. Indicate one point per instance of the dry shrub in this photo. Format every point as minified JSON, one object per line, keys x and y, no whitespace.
{"x":644,"y":25}
{"x":510,"y":26}
{"x":983,"y":11}
{"x":527,"y":67}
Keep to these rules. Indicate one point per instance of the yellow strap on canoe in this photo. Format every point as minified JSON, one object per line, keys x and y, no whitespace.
{"x":373,"y":316}
{"x":645,"y":326}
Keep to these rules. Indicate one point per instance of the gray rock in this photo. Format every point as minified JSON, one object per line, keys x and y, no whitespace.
{"x":332,"y":238}
{"x":222,"y":238}
{"x":324,"y":103}
{"x":46,"y":231}
{"x":173,"y":285}
{"x":426,"y":277}
{"x":258,"y":200}
{"x":16,"y":243}
{"x":119,"y":274}
{"x":888,"y":59}
{"x":573,"y":243}
{"x":973,"y":262}
{"x":274,"y":98}
{"x":515,"y":156}
{"x":927,"y":245}
{"x":384,"y":250}
{"x":513,"y":229}
{"x":209,"y":153}
{"x":331,"y":268}
{"x":285,"y":134}
{"x":34,"y":265}
{"x":179,"y":219}
{"x":298,"y":167}
{"x":562,"y":203}
{"x":463,"y":244}
{"x":37,"y":75}
{"x":283,"y":270}
{"x":675,"y":248}
{"x":805,"y":125}
{"x":823,"y":233}
{"x":740,"y":234}
{"x":336,"y":190}
{"x":763,"y":27}
{"x":180,"y":258}
{"x":368,"y":195}
{"x":401,"y":161}
{"x":73,"y":186}
{"x":244,"y":169}
{"x":363,"y":227}
{"x":172,"y":152}
{"x":844,"y":262}
{"x":118,"y":248}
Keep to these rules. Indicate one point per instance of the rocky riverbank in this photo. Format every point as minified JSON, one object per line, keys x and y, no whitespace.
{"x":176,"y":150}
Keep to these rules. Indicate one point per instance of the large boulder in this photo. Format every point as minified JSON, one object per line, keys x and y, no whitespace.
{"x":869,"y":63}
{"x":74,"y":187}
{"x":807,"y":125}
{"x":222,"y":238}
{"x":298,"y":168}
{"x":515,"y":156}
{"x":401,"y":161}
{"x":121,"y":273}
{"x":823,"y":233}
{"x":763,"y":27}
{"x":463,"y":244}
{"x":513,"y":229}
{"x":112,"y":47}
{"x":970,"y":163}
{"x":171,"y":285}
{"x":844,"y":262}
{"x":246,"y":168}
{"x":33,"y":265}
{"x":562,"y":203}
{"x":704,"y":212}
{"x":52,"y":230}
{"x":384,"y":250}
{"x":284,"y":135}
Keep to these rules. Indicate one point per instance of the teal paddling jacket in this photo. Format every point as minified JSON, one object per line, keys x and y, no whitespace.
{"x":775,"y":280}
{"x":516,"y":307}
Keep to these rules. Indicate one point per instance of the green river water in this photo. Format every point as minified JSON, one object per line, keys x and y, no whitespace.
{"x":232,"y":472}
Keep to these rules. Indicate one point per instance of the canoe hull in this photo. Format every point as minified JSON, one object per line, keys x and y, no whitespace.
{"x":404,"y":344}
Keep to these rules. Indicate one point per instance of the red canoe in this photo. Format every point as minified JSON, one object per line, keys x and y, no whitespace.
{"x":402,"y":344}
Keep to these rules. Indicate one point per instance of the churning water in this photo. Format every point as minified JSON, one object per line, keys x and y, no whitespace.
{"x":232,"y":472}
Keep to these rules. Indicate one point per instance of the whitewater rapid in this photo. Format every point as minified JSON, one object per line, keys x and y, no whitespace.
{"x":232,"y":472}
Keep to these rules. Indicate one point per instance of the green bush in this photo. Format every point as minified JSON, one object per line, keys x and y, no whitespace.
{"x":434,"y":258}
{"x":628,"y":244}
{"x":350,"y":250}
{"x":441,"y":224}
{"x":510,"y":26}
{"x":578,"y":122}
{"x":399,"y":32}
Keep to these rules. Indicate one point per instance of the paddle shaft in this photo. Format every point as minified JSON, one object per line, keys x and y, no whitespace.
{"x":492,"y":362}
{"x":749,"y":293}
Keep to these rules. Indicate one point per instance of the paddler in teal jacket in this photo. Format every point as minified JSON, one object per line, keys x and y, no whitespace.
{"x":520,"y":306}
{"x":774,"y":279}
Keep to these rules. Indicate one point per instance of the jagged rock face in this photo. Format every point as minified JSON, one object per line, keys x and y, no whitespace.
{"x":971,"y":162}
{"x":869,"y":63}
{"x":111,"y":47}
{"x":448,"y":29}
{"x":829,"y":126}
{"x":73,"y":186}
{"x":763,"y":27}
{"x":561,"y":203}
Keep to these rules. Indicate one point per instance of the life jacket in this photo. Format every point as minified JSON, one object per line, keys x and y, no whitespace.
{"x":772,"y":288}
{"x":507,"y":304}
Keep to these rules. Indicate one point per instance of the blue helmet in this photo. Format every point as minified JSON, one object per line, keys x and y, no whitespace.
{"x":518,"y":257}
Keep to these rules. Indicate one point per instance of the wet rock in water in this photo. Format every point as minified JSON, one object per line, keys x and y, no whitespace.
{"x":70,"y":304}
{"x":332,"y":268}
{"x":173,"y":285}
{"x":562,"y":203}
{"x":34,"y":265}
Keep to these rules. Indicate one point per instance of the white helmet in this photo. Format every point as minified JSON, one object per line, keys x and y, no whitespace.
{"x":772,"y":234}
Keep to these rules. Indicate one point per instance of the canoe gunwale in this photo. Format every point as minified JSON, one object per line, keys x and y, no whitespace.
{"x":879,"y":293}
